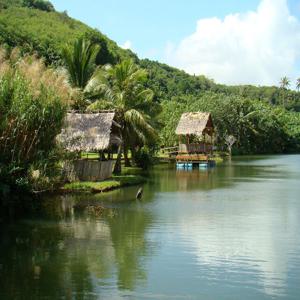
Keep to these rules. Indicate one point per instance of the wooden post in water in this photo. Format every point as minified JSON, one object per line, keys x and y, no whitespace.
{"x":203,"y":134}
{"x":211,"y":141}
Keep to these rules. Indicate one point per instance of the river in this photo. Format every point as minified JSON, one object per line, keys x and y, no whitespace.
{"x":231,"y":232}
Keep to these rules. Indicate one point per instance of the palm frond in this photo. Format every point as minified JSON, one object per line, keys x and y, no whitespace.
{"x":136,"y":121}
{"x":80,"y":61}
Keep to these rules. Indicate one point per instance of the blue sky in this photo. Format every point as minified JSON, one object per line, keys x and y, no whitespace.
{"x":149,"y":25}
{"x":164,"y":30}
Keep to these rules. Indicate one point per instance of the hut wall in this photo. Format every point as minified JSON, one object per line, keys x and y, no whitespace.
{"x":89,"y":170}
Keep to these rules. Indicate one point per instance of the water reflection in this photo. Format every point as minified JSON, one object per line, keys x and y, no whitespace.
{"x":242,"y":236}
{"x":226,"y":175}
{"x":245,"y":240}
{"x":226,"y":233}
{"x":71,"y":254}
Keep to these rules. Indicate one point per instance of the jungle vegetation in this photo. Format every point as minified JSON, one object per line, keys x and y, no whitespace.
{"x":148,"y":96}
{"x":47,"y":32}
{"x":33,"y":103}
{"x":258,"y":127}
{"x":119,"y":88}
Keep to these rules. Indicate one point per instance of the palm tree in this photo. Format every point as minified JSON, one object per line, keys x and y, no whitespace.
{"x":284,"y":84}
{"x":121,"y":88}
{"x":79,"y":61}
{"x":298,"y":84}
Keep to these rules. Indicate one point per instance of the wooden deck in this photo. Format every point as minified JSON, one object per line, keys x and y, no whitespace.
{"x":194,"y":160}
{"x":190,"y":155}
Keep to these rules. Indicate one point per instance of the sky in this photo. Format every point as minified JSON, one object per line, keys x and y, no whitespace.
{"x":233,"y":41}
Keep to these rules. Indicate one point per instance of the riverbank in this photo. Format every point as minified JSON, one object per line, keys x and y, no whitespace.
{"x":113,"y":183}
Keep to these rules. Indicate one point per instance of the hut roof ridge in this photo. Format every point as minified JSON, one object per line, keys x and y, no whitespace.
{"x":87,"y":131}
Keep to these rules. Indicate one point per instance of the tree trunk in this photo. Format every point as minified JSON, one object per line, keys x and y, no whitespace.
{"x":133,"y":154}
{"x":101,"y":156}
{"x":126,"y":159}
{"x":118,"y":168}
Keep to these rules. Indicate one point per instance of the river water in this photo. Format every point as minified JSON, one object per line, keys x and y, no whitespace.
{"x":231,"y":232}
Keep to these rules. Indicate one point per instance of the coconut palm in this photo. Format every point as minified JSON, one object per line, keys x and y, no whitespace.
{"x":79,"y":61}
{"x":298,"y":84}
{"x":121,"y":88}
{"x":285,"y":82}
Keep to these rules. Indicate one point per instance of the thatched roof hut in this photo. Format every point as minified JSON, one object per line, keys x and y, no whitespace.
{"x":89,"y":132}
{"x":195,"y":123}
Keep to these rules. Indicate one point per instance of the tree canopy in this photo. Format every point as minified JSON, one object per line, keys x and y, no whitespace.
{"x":121,"y":88}
{"x":46,"y":33}
{"x":257,"y":126}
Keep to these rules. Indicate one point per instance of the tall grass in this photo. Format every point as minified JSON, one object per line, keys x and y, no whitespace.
{"x":33,"y":103}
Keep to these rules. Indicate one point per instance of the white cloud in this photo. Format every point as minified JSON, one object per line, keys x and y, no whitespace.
{"x":127,"y":45}
{"x":258,"y":47}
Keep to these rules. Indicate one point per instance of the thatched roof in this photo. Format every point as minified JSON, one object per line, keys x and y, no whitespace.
{"x":88,"y":132}
{"x":194,"y":123}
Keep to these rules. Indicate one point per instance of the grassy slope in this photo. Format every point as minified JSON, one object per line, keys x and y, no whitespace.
{"x":39,"y":25}
{"x":8,"y":3}
{"x":26,"y":27}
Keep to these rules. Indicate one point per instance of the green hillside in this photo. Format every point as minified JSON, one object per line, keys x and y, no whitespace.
{"x":47,"y":32}
{"x":168,"y":82}
{"x":37,"y":4}
{"x":35,"y":27}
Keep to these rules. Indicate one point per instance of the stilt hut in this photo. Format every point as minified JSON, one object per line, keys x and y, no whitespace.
{"x":91,"y":132}
{"x":195,"y":131}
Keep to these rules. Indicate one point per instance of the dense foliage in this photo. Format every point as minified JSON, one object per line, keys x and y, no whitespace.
{"x":121,"y":88}
{"x":38,"y":4}
{"x":48,"y":32}
{"x":257,"y":126}
{"x":168,"y":82}
{"x":33,"y":101}
{"x":256,"y":116}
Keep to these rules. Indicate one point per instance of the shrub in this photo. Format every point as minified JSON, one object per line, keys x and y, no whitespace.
{"x":33,"y":103}
{"x":39,"y":4}
{"x":143,"y":158}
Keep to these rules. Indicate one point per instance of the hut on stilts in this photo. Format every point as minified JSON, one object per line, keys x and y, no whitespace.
{"x":90,"y":133}
{"x":195,"y":131}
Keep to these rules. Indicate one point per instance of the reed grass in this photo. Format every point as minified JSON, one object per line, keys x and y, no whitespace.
{"x":33,"y":103}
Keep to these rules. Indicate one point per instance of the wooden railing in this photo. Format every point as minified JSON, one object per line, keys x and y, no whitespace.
{"x":169,"y":150}
{"x":195,"y":148}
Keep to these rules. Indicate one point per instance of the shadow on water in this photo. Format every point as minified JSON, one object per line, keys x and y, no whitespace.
{"x":63,"y":248}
